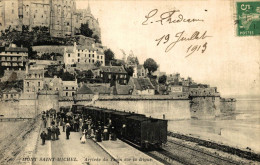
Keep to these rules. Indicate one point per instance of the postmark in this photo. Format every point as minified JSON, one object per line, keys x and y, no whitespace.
{"x":248,"y":18}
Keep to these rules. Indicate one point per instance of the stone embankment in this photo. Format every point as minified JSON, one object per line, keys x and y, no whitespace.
{"x":140,"y":97}
{"x":19,"y":142}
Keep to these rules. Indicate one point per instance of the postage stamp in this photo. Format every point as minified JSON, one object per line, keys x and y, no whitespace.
{"x":248,"y":18}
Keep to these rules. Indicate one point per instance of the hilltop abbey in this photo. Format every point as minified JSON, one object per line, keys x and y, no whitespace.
{"x":60,"y":16}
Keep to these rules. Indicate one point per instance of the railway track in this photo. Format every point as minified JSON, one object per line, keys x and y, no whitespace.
{"x":176,"y":153}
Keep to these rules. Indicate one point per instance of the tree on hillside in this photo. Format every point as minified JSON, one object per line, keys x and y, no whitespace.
{"x":129,"y":70}
{"x":97,"y":39}
{"x":151,"y":65}
{"x":32,"y":54}
{"x":25,"y":29}
{"x":162,"y":79}
{"x":97,"y":64}
{"x":85,"y":30}
{"x":109,"y":56}
{"x":66,"y":76}
{"x":46,"y":56}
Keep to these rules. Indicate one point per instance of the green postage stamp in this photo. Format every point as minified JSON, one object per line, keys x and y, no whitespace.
{"x":248,"y":18}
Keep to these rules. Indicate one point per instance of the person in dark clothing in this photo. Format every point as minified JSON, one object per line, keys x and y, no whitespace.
{"x":98,"y":135}
{"x":105,"y":134}
{"x":67,"y":132}
{"x":47,"y":114}
{"x":53,"y":132}
{"x":45,"y":122}
{"x":63,"y":126}
{"x":113,"y":134}
{"x":52,"y":122}
{"x":57,"y":132}
{"x":49,"y":133}
{"x":85,"y":126}
{"x":43,"y":137}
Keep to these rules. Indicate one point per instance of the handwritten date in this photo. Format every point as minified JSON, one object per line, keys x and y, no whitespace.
{"x":180,"y":38}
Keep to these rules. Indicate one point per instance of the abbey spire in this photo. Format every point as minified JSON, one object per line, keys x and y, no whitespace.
{"x":88,"y":9}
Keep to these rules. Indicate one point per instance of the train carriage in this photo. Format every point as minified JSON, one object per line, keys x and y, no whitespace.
{"x":146,"y":132}
{"x":135,"y":128}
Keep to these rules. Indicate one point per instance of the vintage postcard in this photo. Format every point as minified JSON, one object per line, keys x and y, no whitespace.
{"x":129,"y":82}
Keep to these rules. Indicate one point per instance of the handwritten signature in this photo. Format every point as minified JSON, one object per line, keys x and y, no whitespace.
{"x":180,"y":38}
{"x":168,"y":17}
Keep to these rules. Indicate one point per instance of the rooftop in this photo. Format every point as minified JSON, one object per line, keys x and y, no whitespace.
{"x":114,"y":69}
{"x":142,"y":83}
{"x":84,"y":90}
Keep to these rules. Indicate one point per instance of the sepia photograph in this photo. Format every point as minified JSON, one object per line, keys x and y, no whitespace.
{"x":129,"y":82}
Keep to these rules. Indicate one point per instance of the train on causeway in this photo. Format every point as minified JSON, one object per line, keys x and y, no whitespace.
{"x":136,"y":129}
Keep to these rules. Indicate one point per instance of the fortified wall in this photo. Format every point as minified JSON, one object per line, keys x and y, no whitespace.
{"x":205,"y":103}
{"x":48,"y":99}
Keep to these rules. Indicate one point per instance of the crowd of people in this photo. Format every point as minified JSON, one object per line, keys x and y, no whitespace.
{"x":74,"y":123}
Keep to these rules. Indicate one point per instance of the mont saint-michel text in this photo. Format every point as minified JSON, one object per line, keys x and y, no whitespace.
{"x":172,"y":16}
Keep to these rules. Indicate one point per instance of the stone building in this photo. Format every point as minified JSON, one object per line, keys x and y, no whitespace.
{"x":139,"y":71}
{"x":60,"y":16}
{"x":69,"y":89}
{"x":85,"y":16}
{"x":141,"y":86}
{"x":84,"y":93}
{"x":13,"y":58}
{"x":83,"y":55}
{"x":34,"y":81}
{"x":113,"y":73}
{"x":11,"y":94}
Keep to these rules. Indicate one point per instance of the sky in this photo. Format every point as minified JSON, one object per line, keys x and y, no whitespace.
{"x":228,"y":62}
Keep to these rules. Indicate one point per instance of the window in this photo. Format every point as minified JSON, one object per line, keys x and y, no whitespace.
{"x":67,"y":88}
{"x":66,"y":93}
{"x":39,"y":84}
{"x":28,"y":84}
{"x":93,"y":61}
{"x":97,"y":57}
{"x":78,"y":60}
{"x":78,"y":54}
{"x":6,"y":95}
{"x":93,"y":55}
{"x":72,"y":93}
{"x":101,"y":57}
{"x":72,"y":87}
{"x":89,"y":61}
{"x":12,"y":11}
{"x":89,"y":55}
